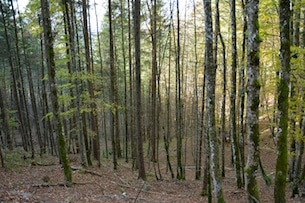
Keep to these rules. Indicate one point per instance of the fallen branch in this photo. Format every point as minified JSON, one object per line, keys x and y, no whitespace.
{"x":43,"y":164}
{"x":139,"y":191}
{"x":60,"y":184}
{"x":50,"y":185}
{"x":74,"y":168}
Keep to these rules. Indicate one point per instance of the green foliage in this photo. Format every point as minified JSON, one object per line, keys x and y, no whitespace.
{"x":12,"y":121}
{"x":48,"y":116}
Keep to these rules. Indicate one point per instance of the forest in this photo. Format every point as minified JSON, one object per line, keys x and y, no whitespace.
{"x":152,"y":101}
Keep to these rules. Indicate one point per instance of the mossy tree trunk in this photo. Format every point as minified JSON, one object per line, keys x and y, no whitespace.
{"x":253,"y":89}
{"x":283,"y":104}
{"x":49,"y":49}
{"x":210,"y":68}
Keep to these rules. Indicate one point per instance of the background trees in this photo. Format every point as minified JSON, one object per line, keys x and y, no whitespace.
{"x":151,"y":77}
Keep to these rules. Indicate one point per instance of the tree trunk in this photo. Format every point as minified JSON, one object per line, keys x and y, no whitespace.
{"x":180,"y":172}
{"x":113,"y":112}
{"x":93,"y":113}
{"x":242,"y":94}
{"x":168,"y":99}
{"x":252,"y":102}
{"x":224,"y":87}
{"x":233,"y":133}
{"x":126,"y":113}
{"x":295,"y":159}
{"x":153,"y":79}
{"x":283,"y":104}
{"x":210,"y":68}
{"x":197,"y":124}
{"x":49,"y":49}
{"x":137,"y":28}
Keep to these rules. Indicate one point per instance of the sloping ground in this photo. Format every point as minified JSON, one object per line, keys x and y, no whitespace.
{"x":42,"y":181}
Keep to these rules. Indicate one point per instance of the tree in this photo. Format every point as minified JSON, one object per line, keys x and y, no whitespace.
{"x":154,"y":79}
{"x":233,"y":132}
{"x":224,"y":88}
{"x":180,"y":171}
{"x":283,"y":104}
{"x":49,"y":49}
{"x":137,"y":28}
{"x":242,"y":92}
{"x":210,"y":68}
{"x":93,"y":113}
{"x":113,"y":92}
{"x":253,"y":89}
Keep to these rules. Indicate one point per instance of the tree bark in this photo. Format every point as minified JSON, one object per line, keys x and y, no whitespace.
{"x":283,"y":103}
{"x":137,"y":28}
{"x":210,"y":68}
{"x":242,"y":93}
{"x":233,"y":131}
{"x":180,"y":171}
{"x":113,"y":121}
{"x":50,"y":57}
{"x":93,"y":113}
{"x":253,"y":88}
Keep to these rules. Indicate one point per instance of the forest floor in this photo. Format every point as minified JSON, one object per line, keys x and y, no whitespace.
{"x":41,"y":180}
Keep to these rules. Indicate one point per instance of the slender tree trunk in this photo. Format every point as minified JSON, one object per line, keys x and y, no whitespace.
{"x":224,"y":95}
{"x":131,"y":91}
{"x":93,"y":113}
{"x":296,"y":16}
{"x":47,"y":30}
{"x":126,"y":113}
{"x":153,"y":80}
{"x":283,"y":103}
{"x":112,"y":90}
{"x":168,"y":106}
{"x":204,"y":140}
{"x":233,"y":133}
{"x":180,"y":172}
{"x":253,"y":88}
{"x":301,"y":174}
{"x":137,"y":28}
{"x":197,"y":124}
{"x":242,"y":93}
{"x":210,"y":68}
